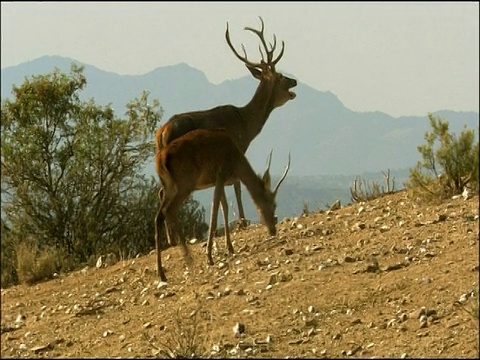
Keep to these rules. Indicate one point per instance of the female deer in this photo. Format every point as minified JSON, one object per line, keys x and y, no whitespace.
{"x":198,"y":160}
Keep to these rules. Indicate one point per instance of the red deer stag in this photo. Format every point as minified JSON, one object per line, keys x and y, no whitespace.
{"x":201,"y":159}
{"x":244,"y":123}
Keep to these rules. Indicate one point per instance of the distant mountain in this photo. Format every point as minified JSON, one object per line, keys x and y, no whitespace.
{"x":323,"y":136}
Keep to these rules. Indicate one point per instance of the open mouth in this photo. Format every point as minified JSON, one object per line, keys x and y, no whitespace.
{"x":292,"y":95}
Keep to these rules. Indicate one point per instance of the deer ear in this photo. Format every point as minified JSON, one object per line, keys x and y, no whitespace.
{"x":267,"y":180}
{"x":257,"y":74}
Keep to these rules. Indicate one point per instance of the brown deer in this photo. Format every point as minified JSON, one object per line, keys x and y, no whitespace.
{"x":244,"y":123}
{"x":201,"y":159}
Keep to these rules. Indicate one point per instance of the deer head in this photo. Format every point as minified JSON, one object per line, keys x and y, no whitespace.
{"x":267,"y":212}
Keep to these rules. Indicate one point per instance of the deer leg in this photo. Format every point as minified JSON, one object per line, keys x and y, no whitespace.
{"x":172,"y":241}
{"x":228,"y":241}
{"x":242,"y":223}
{"x":217,"y":195}
{"x":177,"y":232}
{"x":159,"y":221}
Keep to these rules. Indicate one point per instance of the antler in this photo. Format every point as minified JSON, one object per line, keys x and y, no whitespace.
{"x":283,"y":176}
{"x":269,"y":53}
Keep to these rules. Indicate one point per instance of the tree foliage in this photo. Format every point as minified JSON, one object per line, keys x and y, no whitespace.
{"x":72,"y":171}
{"x":449,"y":163}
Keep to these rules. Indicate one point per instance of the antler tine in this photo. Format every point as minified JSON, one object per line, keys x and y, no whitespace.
{"x":283,"y":176}
{"x":262,"y":39}
{"x":274,"y":62}
{"x":269,"y":160}
{"x":261,"y":53}
{"x":266,"y":175}
{"x":274,"y":45}
{"x":242,"y":58}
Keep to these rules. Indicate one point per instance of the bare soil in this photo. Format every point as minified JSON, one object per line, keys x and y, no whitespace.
{"x":386,"y":278}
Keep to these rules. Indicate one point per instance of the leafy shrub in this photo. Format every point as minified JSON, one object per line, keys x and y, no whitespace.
{"x":73,"y":177}
{"x":8,"y":258}
{"x":449,"y":163}
{"x":34,"y":266}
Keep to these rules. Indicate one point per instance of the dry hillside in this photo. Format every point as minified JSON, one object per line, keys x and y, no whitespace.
{"x":387,"y":278}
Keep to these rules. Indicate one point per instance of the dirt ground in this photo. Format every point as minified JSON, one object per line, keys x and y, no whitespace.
{"x":385,"y":278}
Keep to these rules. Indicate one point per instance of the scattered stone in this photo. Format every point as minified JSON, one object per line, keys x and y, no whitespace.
{"x":106,"y":260}
{"x":238,"y":329}
{"x":310,"y":321}
{"x":326,"y":232}
{"x":467,"y":193}
{"x":384,"y":228}
{"x":373,"y":265}
{"x":161,"y":285}
{"x":396,"y":266}
{"x":296,"y":342}
{"x":20,"y":320}
{"x":273,"y":279}
{"x":353,"y":351}
{"x":358,"y":226}
{"x":99,"y":262}
{"x":335,"y":206}
{"x":39,"y":349}
{"x":240,"y":292}
{"x":7,"y":328}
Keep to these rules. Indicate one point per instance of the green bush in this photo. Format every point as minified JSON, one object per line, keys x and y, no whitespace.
{"x":73,"y":179}
{"x":8,"y":258}
{"x":33,"y":265}
{"x":449,"y":163}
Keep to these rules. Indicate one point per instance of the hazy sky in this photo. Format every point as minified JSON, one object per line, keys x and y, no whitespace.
{"x":399,"y":58}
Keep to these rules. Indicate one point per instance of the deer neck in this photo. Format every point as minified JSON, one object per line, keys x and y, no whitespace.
{"x":252,"y":182}
{"x":259,"y":108}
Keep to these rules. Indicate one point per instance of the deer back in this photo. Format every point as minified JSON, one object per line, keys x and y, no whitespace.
{"x":226,"y":117}
{"x":196,"y":159}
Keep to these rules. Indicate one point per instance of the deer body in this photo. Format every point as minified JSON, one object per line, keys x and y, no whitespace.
{"x":243,"y":124}
{"x":198,"y":160}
